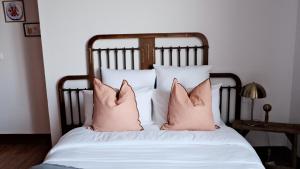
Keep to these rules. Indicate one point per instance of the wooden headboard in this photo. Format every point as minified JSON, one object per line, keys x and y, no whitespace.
{"x":143,"y":55}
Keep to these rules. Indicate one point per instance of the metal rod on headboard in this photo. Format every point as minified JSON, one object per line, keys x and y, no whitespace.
{"x":62,"y":105}
{"x":238,"y":87}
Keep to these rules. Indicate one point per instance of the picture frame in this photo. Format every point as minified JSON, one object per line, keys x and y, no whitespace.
{"x":32,"y":29}
{"x":14,"y":11}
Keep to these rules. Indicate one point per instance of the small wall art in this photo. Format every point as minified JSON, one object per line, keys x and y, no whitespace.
{"x":13,"y":11}
{"x":31,"y":29}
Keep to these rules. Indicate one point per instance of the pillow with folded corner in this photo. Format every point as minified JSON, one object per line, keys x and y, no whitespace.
{"x":143,"y":99}
{"x":115,"y":111}
{"x":142,"y":82}
{"x":190,"y":111}
{"x":160,"y":105}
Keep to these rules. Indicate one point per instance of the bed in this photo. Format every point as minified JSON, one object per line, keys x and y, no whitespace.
{"x":81,"y":147}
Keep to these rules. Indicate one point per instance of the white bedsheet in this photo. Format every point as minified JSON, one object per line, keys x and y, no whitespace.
{"x":154,"y":149}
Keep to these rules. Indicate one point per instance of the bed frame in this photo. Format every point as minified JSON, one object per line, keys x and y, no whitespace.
{"x":70,"y":100}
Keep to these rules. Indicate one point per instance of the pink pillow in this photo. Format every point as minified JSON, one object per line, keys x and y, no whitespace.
{"x":190,"y":111}
{"x":115,"y":112}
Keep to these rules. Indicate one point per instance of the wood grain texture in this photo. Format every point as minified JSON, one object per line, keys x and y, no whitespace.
{"x":271,"y":126}
{"x":147,"y":46}
{"x":22,"y":156}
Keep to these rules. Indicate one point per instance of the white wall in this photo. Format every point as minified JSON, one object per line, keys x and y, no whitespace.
{"x":295,"y":106}
{"x":252,"y":38}
{"x":23,"y":104}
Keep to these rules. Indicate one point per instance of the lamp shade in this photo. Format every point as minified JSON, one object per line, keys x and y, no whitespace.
{"x":253,"y":91}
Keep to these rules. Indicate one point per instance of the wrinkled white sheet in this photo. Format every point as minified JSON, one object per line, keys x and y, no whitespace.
{"x":154,"y":149}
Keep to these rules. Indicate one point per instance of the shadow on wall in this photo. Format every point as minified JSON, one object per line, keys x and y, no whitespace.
{"x":34,"y":72}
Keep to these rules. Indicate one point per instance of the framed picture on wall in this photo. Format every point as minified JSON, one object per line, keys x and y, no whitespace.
{"x":13,"y":11}
{"x":31,"y":29}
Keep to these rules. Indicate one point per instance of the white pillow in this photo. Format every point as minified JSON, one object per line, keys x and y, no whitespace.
{"x":161,"y":100}
{"x":188,"y":76}
{"x":88,"y":107}
{"x":136,"y":78}
{"x":143,"y":99}
{"x":215,"y":103}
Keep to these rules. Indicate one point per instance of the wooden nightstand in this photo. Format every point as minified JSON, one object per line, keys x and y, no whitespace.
{"x":290,"y":130}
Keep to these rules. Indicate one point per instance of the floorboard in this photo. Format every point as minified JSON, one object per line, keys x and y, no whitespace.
{"x":22,"y":156}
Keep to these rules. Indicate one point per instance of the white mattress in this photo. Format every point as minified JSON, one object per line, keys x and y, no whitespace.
{"x":154,"y":149}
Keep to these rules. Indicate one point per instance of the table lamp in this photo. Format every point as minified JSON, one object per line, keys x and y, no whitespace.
{"x":253,"y":91}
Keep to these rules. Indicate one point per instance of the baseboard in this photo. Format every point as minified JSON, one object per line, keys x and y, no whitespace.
{"x":25,"y":138}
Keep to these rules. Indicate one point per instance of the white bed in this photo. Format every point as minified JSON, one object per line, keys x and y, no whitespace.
{"x":151,"y":148}
{"x":154,"y":148}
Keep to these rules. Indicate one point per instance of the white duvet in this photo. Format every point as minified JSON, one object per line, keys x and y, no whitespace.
{"x":154,"y":149}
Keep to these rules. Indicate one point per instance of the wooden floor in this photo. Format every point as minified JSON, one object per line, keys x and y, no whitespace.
{"x":22,"y":156}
